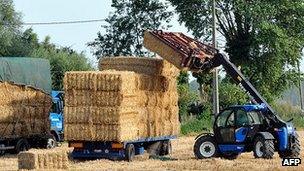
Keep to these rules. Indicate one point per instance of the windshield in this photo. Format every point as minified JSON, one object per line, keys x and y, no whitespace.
{"x":222,"y":118}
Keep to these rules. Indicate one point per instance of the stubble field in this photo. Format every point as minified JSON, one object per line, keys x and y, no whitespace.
{"x":182,"y":158}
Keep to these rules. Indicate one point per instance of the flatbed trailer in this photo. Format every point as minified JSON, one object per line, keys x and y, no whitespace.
{"x":121,"y":150}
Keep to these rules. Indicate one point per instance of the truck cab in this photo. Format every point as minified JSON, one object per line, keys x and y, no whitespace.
{"x":56,"y":115}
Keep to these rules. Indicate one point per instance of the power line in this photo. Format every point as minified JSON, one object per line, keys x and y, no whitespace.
{"x":93,"y":20}
{"x":63,"y":22}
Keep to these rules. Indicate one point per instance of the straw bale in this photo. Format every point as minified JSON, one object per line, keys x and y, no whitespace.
{"x":155,"y":45}
{"x":153,"y":83}
{"x":43,"y":159}
{"x":24,"y":127}
{"x":22,"y":95}
{"x":100,"y":81}
{"x":102,"y":132}
{"x":140,"y":65}
{"x":99,"y":98}
{"x":113,"y":132}
{"x":86,"y":132}
{"x":99,"y":115}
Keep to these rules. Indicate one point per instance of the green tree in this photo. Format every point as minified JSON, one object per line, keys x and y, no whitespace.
{"x":264,"y":37}
{"x":231,"y":94}
{"x":10,"y":21}
{"x":62,"y":59}
{"x":185,"y":96}
{"x":23,"y":44}
{"x":124,"y":32}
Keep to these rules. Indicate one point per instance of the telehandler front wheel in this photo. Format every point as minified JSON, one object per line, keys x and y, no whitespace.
{"x":205,"y":147}
{"x":263,"y":148}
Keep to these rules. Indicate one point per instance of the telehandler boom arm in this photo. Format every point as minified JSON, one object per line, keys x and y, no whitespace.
{"x":189,"y":54}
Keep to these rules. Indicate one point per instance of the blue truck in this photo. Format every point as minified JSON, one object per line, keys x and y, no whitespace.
{"x":34,"y":72}
{"x":56,"y":116}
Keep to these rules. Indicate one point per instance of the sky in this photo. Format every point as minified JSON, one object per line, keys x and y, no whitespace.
{"x":75,"y":36}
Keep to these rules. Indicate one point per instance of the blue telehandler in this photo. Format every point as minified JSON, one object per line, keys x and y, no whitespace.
{"x":236,"y":129}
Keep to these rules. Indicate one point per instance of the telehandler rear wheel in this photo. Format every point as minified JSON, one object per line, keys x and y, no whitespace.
{"x":205,"y":147}
{"x":293,"y":152}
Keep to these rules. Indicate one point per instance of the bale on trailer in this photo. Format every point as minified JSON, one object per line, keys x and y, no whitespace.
{"x":24,"y":110}
{"x":121,"y":105}
{"x":142,"y":65}
{"x":43,"y":159}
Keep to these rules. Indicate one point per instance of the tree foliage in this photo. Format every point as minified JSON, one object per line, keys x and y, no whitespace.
{"x":185,"y":96}
{"x":15,"y":42}
{"x":264,"y":37}
{"x":9,"y":25}
{"x":124,"y":32}
{"x":231,"y":94}
{"x":62,"y":59}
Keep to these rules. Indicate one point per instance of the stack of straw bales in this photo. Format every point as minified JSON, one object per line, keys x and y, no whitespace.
{"x":53,"y":159}
{"x":24,"y":110}
{"x":131,"y":98}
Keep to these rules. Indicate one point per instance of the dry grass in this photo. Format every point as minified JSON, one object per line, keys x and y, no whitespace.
{"x":182,"y":151}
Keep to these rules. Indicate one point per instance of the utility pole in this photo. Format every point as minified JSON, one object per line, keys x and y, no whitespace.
{"x":300,"y":86}
{"x":215,"y":92}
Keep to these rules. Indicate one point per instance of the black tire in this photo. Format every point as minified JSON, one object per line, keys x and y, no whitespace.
{"x":205,"y":147}
{"x":294,"y":152}
{"x":263,"y":148}
{"x":230,"y":156}
{"x":22,"y":145}
{"x":155,"y":148}
{"x":130,"y":152}
{"x":166,"y":148}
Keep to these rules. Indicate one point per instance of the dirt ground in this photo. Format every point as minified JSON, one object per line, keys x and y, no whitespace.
{"x":181,"y":159}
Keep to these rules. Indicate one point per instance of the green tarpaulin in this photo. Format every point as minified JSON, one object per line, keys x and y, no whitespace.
{"x":28,"y":71}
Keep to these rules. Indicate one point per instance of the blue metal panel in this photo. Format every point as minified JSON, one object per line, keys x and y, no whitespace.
{"x":231,"y":148}
{"x":139,"y":150}
{"x":283,"y":138}
{"x":56,"y":122}
{"x":98,"y":150}
{"x":97,"y":154}
{"x":240,"y":134}
{"x":250,"y":107}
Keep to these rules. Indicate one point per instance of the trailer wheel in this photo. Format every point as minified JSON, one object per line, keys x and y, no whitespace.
{"x":22,"y":145}
{"x":166,"y":148}
{"x":2,"y":152}
{"x":130,"y":152}
{"x":263,"y":148}
{"x":51,"y":142}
